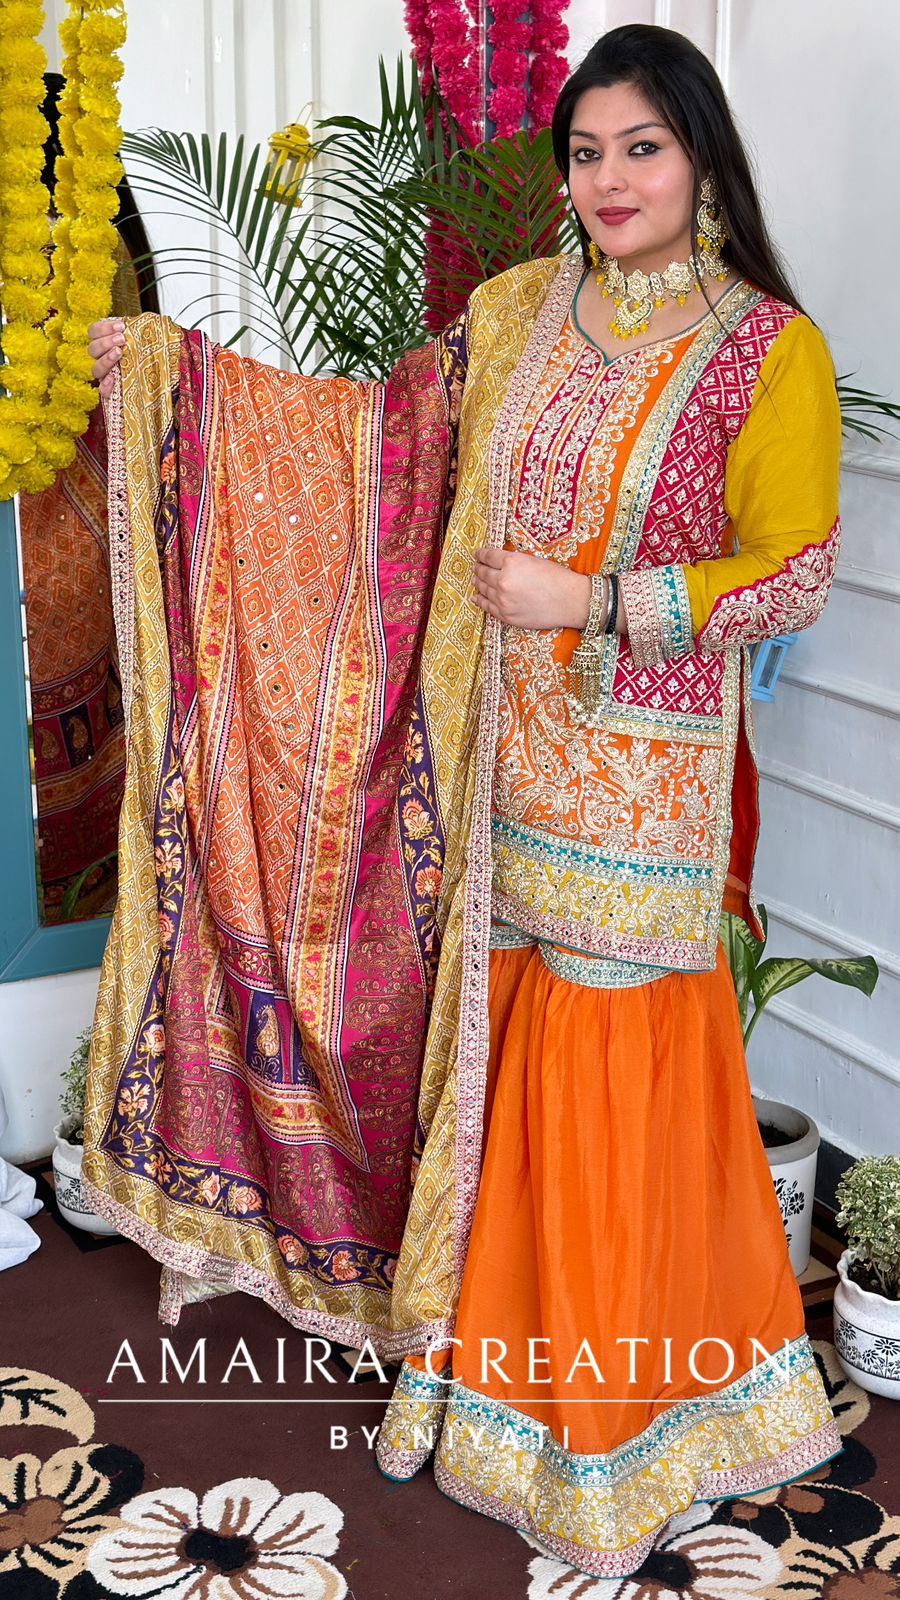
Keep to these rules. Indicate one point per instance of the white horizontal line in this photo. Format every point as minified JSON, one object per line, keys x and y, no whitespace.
{"x":528,"y":1400}
{"x":838,"y":938}
{"x":866,"y":580}
{"x":872,"y":465}
{"x":837,"y":1040}
{"x":869,"y":696}
{"x":833,"y":794}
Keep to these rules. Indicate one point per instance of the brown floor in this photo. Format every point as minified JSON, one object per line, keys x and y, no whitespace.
{"x":66,"y":1312}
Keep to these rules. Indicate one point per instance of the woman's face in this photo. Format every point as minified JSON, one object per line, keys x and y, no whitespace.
{"x":622,"y":158}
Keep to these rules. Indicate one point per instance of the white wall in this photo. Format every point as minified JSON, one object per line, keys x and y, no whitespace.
{"x":817,"y":103}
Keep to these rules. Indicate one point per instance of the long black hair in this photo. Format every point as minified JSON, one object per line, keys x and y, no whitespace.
{"x":683,"y":88}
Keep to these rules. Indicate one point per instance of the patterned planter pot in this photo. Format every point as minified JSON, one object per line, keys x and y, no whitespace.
{"x":73,"y":1207}
{"x":867,"y":1334}
{"x":793,"y":1168}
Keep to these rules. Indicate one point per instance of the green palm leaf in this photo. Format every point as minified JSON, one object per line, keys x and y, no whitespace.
{"x":219,"y":188}
{"x":338,"y":280}
{"x":342,"y":270}
{"x":504,"y":198}
{"x":854,"y":401}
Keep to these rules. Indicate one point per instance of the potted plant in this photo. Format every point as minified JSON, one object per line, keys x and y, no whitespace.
{"x":790,"y":1137}
{"x":69,"y":1148}
{"x":867,"y":1298}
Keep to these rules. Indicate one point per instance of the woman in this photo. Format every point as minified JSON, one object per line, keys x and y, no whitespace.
{"x":593,"y":1292}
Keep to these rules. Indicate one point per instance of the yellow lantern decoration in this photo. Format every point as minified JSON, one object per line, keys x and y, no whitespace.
{"x":290,"y":153}
{"x":47,"y":372}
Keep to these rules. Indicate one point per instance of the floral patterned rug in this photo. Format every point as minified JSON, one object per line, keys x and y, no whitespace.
{"x":208,"y":1470}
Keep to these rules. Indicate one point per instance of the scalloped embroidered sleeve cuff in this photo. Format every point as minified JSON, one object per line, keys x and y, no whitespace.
{"x":658,"y":613}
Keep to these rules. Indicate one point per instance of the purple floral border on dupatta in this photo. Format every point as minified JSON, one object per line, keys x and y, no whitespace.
{"x":222,"y":1161}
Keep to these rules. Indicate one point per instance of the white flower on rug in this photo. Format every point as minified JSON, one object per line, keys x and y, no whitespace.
{"x":243,"y":1540}
{"x":689,"y":1561}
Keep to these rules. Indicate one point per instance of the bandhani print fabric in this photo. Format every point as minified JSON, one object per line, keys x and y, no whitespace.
{"x":261,"y":1111}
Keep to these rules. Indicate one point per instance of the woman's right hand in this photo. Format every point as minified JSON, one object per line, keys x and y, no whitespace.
{"x":107,"y":341}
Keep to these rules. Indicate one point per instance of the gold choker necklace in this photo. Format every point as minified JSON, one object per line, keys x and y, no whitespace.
{"x":639,"y":294}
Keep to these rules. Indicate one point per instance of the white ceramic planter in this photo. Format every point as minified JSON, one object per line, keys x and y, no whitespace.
{"x":867,"y":1334}
{"x":69,"y":1196}
{"x":793,"y":1168}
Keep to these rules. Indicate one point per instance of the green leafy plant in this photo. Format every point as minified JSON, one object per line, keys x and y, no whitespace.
{"x":759,"y":979}
{"x":859,"y":406}
{"x":69,"y":903}
{"x":74,"y":1079}
{"x":333,"y":280}
{"x":869,"y":1197}
{"x":502,"y":198}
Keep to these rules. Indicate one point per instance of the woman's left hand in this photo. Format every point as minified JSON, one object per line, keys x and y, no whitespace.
{"x":529,"y":592}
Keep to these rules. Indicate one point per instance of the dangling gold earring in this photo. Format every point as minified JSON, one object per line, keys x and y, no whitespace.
{"x":595,"y":254}
{"x":712,"y":233}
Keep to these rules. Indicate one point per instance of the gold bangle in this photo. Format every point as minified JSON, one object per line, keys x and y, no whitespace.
{"x":598,"y":611}
{"x":585,"y":669}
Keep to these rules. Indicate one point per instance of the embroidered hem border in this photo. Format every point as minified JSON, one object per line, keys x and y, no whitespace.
{"x":711,"y":1447}
{"x":504,"y":936}
{"x":796,"y":1462}
{"x":223,"y":1274}
{"x":591,"y":972}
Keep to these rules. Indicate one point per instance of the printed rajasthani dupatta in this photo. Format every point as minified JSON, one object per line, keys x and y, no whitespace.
{"x":290,"y":1041}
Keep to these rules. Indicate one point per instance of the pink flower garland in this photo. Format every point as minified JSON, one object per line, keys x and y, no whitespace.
{"x":510,"y":35}
{"x":446,"y":35}
{"x":448,"y":41}
{"x":417,"y":26}
{"x":528,"y":66}
{"x":549,"y":67}
{"x":527,"y":72}
{"x":528,"y":42}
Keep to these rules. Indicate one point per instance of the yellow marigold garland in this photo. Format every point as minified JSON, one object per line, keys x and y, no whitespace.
{"x":47,"y":373}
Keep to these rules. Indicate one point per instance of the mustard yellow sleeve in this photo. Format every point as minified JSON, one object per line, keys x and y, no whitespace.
{"x":781,"y":497}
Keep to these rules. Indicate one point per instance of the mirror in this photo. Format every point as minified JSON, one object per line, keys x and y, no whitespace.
{"x":76,"y":726}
